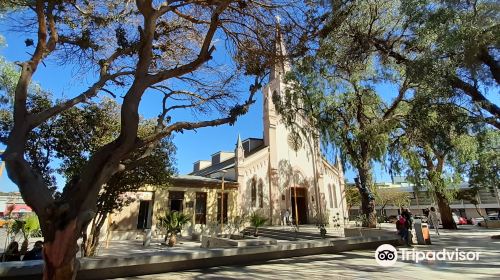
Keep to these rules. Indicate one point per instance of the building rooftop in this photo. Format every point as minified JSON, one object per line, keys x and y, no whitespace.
{"x":213,"y":168}
{"x":195,"y":181}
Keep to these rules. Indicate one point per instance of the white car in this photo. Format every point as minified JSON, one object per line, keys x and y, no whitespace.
{"x":477,"y":221}
{"x":480,"y":221}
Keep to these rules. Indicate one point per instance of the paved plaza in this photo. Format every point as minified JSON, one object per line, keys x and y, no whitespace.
{"x":362,"y":265}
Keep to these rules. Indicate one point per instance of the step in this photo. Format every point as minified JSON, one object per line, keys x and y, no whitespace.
{"x":302,"y":235}
{"x":286,"y":235}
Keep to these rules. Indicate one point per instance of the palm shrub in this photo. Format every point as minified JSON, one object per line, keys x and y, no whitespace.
{"x":172,"y":223}
{"x":29,"y":227}
{"x":257,"y":220}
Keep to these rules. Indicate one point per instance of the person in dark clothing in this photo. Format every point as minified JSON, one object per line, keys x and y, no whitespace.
{"x":35,"y":253}
{"x":12,"y":253}
{"x":402,"y":229}
{"x":426,"y":212}
{"x":408,"y":217}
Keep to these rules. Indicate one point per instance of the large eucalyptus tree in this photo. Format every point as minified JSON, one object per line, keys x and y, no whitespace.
{"x":337,"y":87}
{"x":132,"y":48}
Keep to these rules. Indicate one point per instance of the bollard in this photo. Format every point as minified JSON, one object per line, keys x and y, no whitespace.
{"x":426,"y":234}
{"x":418,"y":232}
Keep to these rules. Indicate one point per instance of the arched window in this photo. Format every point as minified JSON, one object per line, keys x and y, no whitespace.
{"x":254,"y":192}
{"x":331,"y":195}
{"x":261,"y":194}
{"x":334,"y":196}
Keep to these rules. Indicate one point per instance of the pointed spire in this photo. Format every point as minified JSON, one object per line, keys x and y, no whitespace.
{"x":238,"y":142}
{"x":280,"y":65}
{"x":239,"y":151}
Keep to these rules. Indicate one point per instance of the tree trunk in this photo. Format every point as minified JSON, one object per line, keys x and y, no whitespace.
{"x":59,"y":253}
{"x":367,"y":199}
{"x":92,"y":242}
{"x":445,"y":211}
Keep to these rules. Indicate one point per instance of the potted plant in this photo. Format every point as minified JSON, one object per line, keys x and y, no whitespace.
{"x":256,"y":220}
{"x":172,"y":223}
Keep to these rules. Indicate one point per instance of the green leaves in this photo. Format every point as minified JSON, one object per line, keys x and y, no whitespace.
{"x":485,"y":171}
{"x":257,"y":220}
{"x":172,"y":222}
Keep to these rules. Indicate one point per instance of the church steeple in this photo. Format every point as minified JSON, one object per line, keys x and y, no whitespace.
{"x":280,"y":65}
{"x":239,"y":151}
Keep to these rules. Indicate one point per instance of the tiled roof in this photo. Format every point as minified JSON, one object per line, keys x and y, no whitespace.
{"x":228,"y":163}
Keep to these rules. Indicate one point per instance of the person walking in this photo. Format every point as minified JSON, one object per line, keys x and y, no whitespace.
{"x":405,"y":212}
{"x":402,"y":229}
{"x":434,"y":220}
{"x":287,"y":217}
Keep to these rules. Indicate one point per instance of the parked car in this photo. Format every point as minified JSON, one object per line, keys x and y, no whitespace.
{"x":493,"y":217}
{"x":459,"y":220}
{"x":477,"y":221}
{"x":462,"y":221}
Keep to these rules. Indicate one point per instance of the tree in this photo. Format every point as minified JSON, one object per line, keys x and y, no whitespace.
{"x":391,"y":196}
{"x":465,"y":60}
{"x":451,"y":46}
{"x":334,"y":87}
{"x":352,"y":198}
{"x":163,"y":47}
{"x":79,"y":132}
{"x":484,"y":172}
{"x":471,"y":195}
{"x":437,"y":142}
{"x":154,"y":170}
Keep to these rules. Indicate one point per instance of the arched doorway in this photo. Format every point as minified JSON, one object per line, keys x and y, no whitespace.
{"x":301,"y":200}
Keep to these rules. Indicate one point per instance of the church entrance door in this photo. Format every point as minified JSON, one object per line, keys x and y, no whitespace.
{"x":301,"y":204}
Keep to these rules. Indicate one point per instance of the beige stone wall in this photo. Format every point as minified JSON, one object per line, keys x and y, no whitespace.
{"x":255,"y":166}
{"x":161,"y":205}
{"x":124,"y":223}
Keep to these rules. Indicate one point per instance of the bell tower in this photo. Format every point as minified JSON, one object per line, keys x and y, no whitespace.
{"x":274,"y":87}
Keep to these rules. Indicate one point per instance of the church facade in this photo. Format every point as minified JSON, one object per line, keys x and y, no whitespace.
{"x":282,"y":171}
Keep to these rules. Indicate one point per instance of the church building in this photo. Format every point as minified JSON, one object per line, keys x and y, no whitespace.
{"x":282,"y":170}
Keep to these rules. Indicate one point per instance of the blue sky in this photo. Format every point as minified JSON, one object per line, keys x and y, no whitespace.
{"x":66,"y":81}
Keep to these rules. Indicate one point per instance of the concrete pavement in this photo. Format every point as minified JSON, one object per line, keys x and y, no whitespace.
{"x":362,"y":265}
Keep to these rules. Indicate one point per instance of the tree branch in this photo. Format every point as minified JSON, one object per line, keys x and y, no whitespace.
{"x":490,"y":61}
{"x":401,"y":94}
{"x":203,"y":56}
{"x":233,"y":115}
{"x":476,"y":96}
{"x":37,"y":119}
